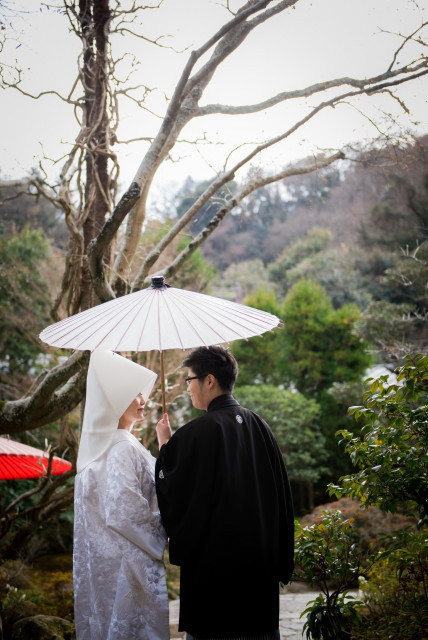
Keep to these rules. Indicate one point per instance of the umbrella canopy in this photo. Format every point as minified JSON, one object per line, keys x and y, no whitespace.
{"x":160,"y":317}
{"x":20,"y":462}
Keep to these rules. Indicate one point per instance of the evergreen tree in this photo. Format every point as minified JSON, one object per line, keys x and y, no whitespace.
{"x":294,"y":420}
{"x":260,"y":358}
{"x":24,"y":307}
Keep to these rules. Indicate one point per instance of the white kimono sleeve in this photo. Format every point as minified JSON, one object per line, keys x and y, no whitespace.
{"x":131,"y":506}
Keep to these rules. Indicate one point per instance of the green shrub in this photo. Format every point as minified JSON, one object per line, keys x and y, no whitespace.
{"x":395,"y":593}
{"x":45,"y":588}
{"x":19,"y":603}
{"x":391,"y":461}
{"x":327,"y":556}
{"x":369,"y":523}
{"x":332,"y":621}
{"x":391,"y":455}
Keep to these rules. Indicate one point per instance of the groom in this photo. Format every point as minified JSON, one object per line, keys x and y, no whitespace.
{"x":226,"y":505}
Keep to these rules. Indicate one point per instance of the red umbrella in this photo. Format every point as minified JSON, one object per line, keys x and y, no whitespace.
{"x":20,"y":462}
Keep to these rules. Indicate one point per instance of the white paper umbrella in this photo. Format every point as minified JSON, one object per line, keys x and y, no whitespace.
{"x":160,"y":317}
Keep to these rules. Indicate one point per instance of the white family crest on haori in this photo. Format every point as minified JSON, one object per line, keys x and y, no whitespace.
{"x":119,"y":575}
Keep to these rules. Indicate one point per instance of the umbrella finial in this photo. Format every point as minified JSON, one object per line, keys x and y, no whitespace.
{"x":158,"y":282}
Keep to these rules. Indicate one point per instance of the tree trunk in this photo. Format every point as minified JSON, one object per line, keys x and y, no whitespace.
{"x":95,"y":16}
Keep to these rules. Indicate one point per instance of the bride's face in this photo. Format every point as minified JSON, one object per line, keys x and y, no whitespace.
{"x":133,"y":413}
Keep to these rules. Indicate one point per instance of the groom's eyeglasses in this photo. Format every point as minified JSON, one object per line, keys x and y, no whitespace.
{"x":187,"y":380}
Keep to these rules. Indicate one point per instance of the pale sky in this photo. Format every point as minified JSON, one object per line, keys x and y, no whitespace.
{"x":318,"y":40}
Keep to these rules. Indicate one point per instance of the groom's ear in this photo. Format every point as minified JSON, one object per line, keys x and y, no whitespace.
{"x":211,"y":380}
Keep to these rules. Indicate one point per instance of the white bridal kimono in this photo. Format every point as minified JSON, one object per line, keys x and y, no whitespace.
{"x":119,"y":574}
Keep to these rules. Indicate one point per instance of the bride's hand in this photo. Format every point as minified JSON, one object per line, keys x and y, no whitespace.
{"x":163,"y":430}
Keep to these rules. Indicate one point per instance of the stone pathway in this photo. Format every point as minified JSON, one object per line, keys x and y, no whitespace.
{"x":292,"y":604}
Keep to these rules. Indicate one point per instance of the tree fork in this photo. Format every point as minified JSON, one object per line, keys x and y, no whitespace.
{"x":97,"y":246}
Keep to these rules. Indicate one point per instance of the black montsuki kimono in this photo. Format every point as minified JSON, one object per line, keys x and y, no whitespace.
{"x":226,"y":505}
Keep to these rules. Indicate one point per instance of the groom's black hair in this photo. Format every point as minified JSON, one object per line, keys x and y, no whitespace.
{"x":215,"y":360}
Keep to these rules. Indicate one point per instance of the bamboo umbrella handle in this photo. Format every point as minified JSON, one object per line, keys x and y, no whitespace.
{"x":162,"y":382}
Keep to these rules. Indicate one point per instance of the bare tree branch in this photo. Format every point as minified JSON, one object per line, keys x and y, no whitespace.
{"x":228,"y":175}
{"x":56,"y":395}
{"x":252,"y":185}
{"x":403,"y":44}
{"x":183,"y":102}
{"x":151,"y":161}
{"x":98,"y":246}
{"x":306,"y":92}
